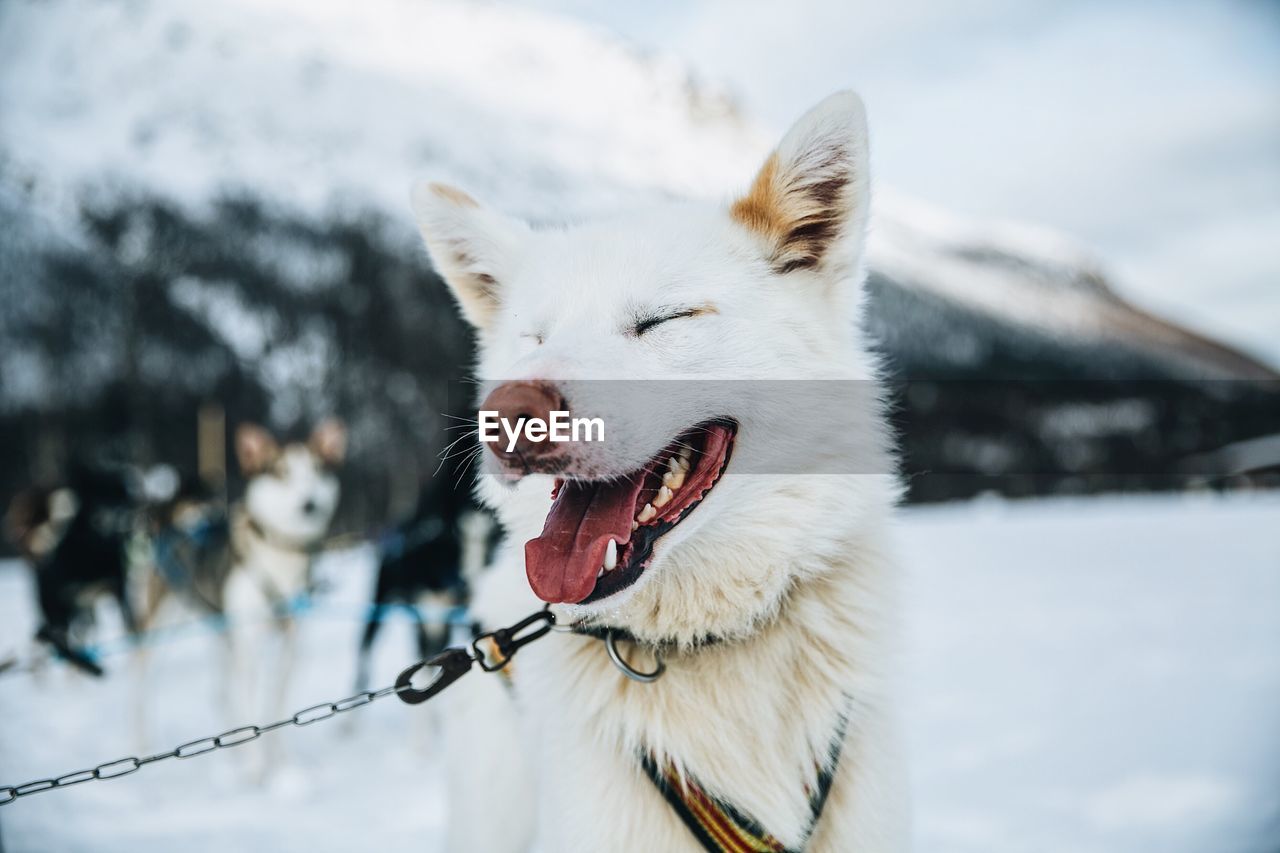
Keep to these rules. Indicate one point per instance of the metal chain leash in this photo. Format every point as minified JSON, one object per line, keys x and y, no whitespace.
{"x":13,"y":666}
{"x":450,"y":665}
{"x":234,"y":737}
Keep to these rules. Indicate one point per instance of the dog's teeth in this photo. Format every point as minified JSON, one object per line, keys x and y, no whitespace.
{"x":646,"y":515}
{"x":682,"y":459}
{"x":673,"y":479}
{"x":635,"y":525}
{"x":611,"y":556}
{"x":663,"y":498}
{"x":600,"y":573}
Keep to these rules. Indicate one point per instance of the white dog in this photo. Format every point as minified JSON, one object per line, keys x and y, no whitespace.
{"x":767,"y":592}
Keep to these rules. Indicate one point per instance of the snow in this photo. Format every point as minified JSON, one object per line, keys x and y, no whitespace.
{"x":370,"y":775}
{"x":1097,"y":675}
{"x":1087,"y":675}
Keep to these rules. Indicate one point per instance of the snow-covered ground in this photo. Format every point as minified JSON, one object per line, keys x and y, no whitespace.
{"x":1096,"y":675}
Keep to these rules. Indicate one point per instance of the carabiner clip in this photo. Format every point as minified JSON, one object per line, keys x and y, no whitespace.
{"x":508,"y":640}
{"x":453,"y":664}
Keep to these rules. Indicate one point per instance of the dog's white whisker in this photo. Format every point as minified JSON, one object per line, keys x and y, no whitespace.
{"x":451,"y":444}
{"x":465,"y":465}
{"x":445,"y":455}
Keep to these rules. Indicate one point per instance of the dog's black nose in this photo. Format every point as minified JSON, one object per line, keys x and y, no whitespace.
{"x":309,"y":507}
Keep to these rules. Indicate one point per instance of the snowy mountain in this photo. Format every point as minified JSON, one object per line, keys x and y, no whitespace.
{"x":208,"y":201}
{"x":316,"y":106}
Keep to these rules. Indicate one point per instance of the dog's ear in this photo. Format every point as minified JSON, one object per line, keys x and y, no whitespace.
{"x":256,"y":449}
{"x":329,"y":442}
{"x":472,"y":247}
{"x":808,"y":204}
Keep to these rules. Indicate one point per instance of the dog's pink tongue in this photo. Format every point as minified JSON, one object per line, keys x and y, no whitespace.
{"x":563,"y":562}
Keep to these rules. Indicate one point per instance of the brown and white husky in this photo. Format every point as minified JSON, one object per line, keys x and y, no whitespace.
{"x":256,"y":567}
{"x":768,"y":595}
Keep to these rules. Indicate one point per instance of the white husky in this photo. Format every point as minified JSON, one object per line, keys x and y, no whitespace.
{"x":769,"y":595}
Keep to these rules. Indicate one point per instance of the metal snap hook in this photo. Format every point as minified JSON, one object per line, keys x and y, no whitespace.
{"x":507,"y":641}
{"x":452,"y":664}
{"x":611,"y":646}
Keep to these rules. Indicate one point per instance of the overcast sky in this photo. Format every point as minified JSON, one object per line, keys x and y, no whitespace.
{"x":1149,"y":130}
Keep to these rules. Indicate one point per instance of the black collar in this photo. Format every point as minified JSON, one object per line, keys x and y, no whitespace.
{"x":602,"y":632}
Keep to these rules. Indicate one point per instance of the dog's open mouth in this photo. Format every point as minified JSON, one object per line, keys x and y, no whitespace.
{"x":599,"y":536}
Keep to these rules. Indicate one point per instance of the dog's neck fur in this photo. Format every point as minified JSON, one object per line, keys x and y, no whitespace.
{"x":285,"y":565}
{"x":761,"y":705}
{"x":745,"y":698}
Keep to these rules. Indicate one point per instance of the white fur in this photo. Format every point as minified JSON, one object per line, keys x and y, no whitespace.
{"x":796,"y":571}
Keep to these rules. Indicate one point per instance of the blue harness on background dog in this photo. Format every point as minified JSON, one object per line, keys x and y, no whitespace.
{"x":177,"y":552}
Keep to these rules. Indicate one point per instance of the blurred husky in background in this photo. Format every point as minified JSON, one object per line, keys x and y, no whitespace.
{"x":253,"y":566}
{"x":770,"y":599}
{"x":270,"y":536}
{"x":426,"y":563}
{"x":75,"y":538}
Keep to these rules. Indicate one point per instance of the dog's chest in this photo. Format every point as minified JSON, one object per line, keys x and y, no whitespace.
{"x":592,"y":729}
{"x":281,"y":572}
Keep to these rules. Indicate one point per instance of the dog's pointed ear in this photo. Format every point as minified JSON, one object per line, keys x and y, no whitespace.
{"x":329,"y":441}
{"x":473,"y":248}
{"x":808,"y":204}
{"x":256,"y":449}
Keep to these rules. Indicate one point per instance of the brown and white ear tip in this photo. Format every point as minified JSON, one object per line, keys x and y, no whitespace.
{"x":427,"y":196}
{"x":256,"y":448}
{"x":329,"y":441}
{"x":811,"y":192}
{"x":838,"y":121}
{"x":843,"y":109}
{"x":472,"y":247}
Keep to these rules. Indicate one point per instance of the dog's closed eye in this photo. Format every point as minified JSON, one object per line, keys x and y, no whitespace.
{"x":645,"y":324}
